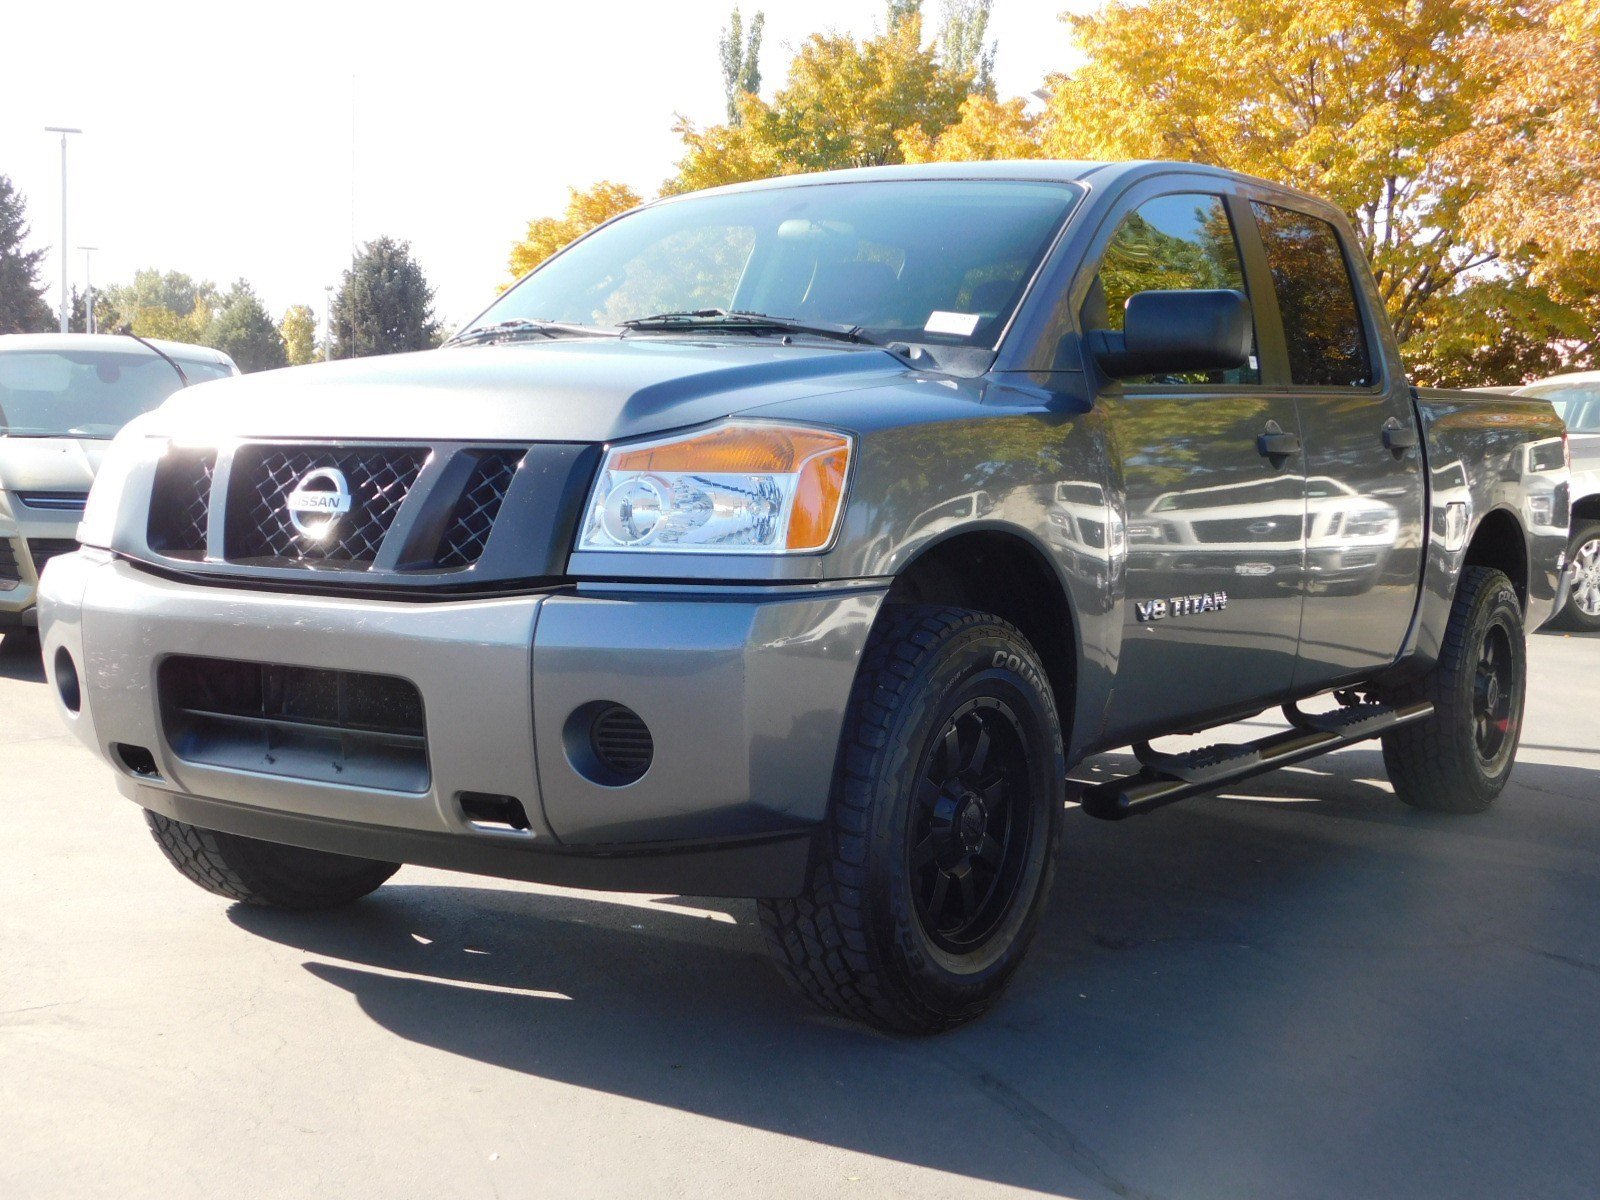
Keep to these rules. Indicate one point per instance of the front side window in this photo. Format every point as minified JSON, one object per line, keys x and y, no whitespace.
{"x":928,"y":261}
{"x":1170,"y":243}
{"x":80,"y":393}
{"x":1316,"y":295}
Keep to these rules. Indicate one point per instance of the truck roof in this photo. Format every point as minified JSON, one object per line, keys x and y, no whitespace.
{"x":1044,"y":169}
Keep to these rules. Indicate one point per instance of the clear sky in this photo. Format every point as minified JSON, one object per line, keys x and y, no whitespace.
{"x":218,"y":135}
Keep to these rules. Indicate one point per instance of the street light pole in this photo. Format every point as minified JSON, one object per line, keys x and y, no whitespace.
{"x":66,"y":299}
{"x":327,"y":355}
{"x":88,"y":287}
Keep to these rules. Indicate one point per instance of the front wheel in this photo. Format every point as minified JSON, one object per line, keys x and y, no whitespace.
{"x":1459,"y":759}
{"x":1581,"y":613}
{"x":946,"y":813}
{"x":264,"y":873}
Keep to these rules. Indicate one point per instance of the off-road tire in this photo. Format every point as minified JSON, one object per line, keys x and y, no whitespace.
{"x":1585,"y":538}
{"x":1440,"y":764}
{"x":857,"y":942}
{"x":264,"y":873}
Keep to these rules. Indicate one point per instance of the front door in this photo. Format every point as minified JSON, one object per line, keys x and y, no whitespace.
{"x":1214,"y":524}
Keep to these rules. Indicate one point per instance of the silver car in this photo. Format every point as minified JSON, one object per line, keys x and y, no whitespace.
{"x":63,"y":397}
{"x":1576,"y":398}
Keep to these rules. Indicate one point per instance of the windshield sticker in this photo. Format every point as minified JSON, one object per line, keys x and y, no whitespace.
{"x":957,"y":324}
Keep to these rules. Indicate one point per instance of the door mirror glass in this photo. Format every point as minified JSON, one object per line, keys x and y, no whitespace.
{"x":1177,"y":333}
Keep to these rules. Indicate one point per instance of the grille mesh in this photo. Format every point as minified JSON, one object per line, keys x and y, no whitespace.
{"x":180,"y":504}
{"x":263,"y":476}
{"x":473,"y":520}
{"x":10,"y":574}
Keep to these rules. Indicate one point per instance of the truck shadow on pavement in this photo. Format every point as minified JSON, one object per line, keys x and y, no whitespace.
{"x":1302,"y":990}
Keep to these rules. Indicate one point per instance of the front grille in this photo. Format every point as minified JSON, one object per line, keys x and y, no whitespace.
{"x":54,"y":501}
{"x":1249,"y":529}
{"x":468,"y":531}
{"x":344,"y":727}
{"x":42,"y":550}
{"x":259,"y":528}
{"x":180,"y":504}
{"x":10,"y":573}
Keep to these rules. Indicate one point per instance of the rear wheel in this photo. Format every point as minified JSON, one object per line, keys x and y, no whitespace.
{"x":1581,"y":613}
{"x":1459,"y":759}
{"x":946,"y":815}
{"x":264,"y":873}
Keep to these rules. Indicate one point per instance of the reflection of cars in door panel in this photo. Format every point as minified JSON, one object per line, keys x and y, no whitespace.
{"x":62,"y":398}
{"x":793,"y":540}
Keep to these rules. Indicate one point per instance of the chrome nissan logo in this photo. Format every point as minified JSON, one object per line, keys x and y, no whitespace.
{"x":318,"y":501}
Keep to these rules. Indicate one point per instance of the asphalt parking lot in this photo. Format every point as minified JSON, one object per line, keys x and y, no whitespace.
{"x":1299,"y":989}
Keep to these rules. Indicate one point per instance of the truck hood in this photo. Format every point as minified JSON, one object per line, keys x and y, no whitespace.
{"x":32,"y":464}
{"x":578,"y":390}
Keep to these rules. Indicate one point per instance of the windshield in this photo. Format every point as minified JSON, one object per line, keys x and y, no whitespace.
{"x":929,"y":261}
{"x":1578,"y":404}
{"x":86,"y":393}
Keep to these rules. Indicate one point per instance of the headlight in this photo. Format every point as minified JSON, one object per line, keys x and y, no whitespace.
{"x":743,"y":487}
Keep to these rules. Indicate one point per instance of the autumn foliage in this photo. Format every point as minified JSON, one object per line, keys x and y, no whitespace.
{"x":1462,"y":137}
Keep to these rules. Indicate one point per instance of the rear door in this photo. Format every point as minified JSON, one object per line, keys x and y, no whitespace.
{"x":1364,"y":488}
{"x":1213,"y":525}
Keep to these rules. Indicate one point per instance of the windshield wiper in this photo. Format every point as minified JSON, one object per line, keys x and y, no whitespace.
{"x":506,"y":331}
{"x":738,"y":320}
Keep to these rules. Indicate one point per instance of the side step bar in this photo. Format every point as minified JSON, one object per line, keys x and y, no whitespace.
{"x":1167,"y":778}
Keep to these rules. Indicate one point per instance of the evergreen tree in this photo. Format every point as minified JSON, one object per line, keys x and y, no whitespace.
{"x":242,"y":329}
{"x":22,"y":305}
{"x":384,"y":304}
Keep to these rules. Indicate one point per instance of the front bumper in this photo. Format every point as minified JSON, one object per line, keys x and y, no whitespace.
{"x":744,"y":698}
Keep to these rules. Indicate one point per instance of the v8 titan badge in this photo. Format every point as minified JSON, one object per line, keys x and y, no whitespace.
{"x":1180,"y":606}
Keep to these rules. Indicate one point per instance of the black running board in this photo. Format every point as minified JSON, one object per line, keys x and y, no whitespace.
{"x":1167,"y":778}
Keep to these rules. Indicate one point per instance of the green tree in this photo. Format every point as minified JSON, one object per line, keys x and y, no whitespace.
{"x":22,"y":304}
{"x":384,"y":304}
{"x":159,"y":304}
{"x":965,"y":23}
{"x":242,"y":329}
{"x":299,"y":332}
{"x":741,"y":60}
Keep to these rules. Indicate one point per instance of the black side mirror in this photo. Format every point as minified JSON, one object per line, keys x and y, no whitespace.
{"x":1170,"y":333}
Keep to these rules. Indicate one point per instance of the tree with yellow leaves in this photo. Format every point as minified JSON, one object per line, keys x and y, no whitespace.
{"x":585,"y":210}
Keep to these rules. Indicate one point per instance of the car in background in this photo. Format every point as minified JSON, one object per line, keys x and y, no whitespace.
{"x":63,"y":397}
{"x":1576,"y":398}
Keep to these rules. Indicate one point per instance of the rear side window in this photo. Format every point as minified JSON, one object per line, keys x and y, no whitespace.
{"x":1321,"y":321}
{"x":1166,"y":244}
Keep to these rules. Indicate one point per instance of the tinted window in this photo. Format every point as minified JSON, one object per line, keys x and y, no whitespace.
{"x":934,"y":261}
{"x":1321,"y":321}
{"x":1166,"y":244}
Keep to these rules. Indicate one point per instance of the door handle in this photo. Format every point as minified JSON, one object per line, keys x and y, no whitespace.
{"x":1399,"y":438}
{"x":1277,"y":445}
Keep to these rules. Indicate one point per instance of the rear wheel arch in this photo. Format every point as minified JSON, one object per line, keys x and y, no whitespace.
{"x":1586,"y":508}
{"x":1499,"y":542}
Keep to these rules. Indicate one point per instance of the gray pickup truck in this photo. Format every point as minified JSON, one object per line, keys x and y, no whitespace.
{"x":794,"y":540}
